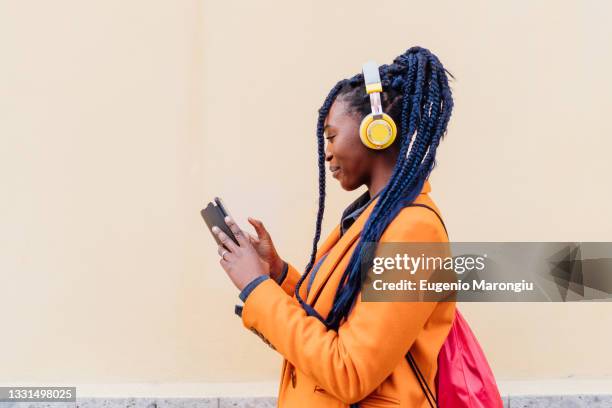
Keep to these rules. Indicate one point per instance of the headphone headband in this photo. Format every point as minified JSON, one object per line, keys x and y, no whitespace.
{"x":371,"y":77}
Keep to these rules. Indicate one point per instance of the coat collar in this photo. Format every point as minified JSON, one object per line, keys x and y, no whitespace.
{"x":354,"y":210}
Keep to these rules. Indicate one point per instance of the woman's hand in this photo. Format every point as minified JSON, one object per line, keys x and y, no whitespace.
{"x":241,"y":262}
{"x":265,"y":248}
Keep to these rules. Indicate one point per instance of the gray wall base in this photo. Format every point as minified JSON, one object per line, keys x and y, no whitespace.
{"x":535,"y":401}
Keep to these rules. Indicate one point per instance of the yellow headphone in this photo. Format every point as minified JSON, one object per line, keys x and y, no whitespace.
{"x":377,"y":129}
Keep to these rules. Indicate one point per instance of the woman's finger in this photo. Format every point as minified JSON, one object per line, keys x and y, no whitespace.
{"x":225,"y":240}
{"x":224,"y":253}
{"x":236,"y":230}
{"x":253,"y":238}
{"x":259,"y":227}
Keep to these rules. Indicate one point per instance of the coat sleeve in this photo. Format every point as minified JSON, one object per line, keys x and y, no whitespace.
{"x":290,"y":280}
{"x":353,"y":361}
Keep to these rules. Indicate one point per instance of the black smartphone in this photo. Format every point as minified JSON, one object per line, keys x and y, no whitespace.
{"x":214,"y":215}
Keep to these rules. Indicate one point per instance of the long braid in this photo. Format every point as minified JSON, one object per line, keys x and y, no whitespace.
{"x":323,"y":111}
{"x":445,"y":108}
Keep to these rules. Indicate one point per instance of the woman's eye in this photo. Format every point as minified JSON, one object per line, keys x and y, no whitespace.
{"x":330,"y":137}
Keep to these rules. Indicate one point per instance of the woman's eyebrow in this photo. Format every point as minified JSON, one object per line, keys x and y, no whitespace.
{"x":325,"y":132}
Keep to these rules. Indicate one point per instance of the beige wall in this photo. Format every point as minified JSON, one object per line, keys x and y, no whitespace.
{"x":119,"y":120}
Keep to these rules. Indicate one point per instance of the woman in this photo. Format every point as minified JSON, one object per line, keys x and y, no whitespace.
{"x":340,"y":351}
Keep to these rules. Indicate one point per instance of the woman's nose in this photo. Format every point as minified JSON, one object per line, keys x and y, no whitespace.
{"x":328,"y":154}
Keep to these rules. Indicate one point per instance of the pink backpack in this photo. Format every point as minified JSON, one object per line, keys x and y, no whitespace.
{"x":464,"y":378}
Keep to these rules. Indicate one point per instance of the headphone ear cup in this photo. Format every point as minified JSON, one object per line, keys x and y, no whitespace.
{"x":377,"y":134}
{"x":363,"y":131}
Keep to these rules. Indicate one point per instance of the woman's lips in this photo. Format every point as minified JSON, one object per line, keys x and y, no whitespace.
{"x":335,"y":170}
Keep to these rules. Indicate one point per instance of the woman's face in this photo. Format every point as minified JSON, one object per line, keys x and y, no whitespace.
{"x":349,"y":160}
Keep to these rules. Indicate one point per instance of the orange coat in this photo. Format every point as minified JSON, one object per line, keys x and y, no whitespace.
{"x":364,"y":361}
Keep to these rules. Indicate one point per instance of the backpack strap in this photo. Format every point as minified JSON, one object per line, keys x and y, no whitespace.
{"x":411,"y":362}
{"x":422,"y":382}
{"x":434,"y":211}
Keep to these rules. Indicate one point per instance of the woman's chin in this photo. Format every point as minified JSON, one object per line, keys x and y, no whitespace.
{"x":347,"y":186}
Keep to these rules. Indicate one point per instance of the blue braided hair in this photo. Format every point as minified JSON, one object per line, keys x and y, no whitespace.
{"x":417,"y":96}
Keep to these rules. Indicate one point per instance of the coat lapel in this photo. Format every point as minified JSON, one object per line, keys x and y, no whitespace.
{"x":339,"y":247}
{"x":338,"y":250}
{"x":329,"y":242}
